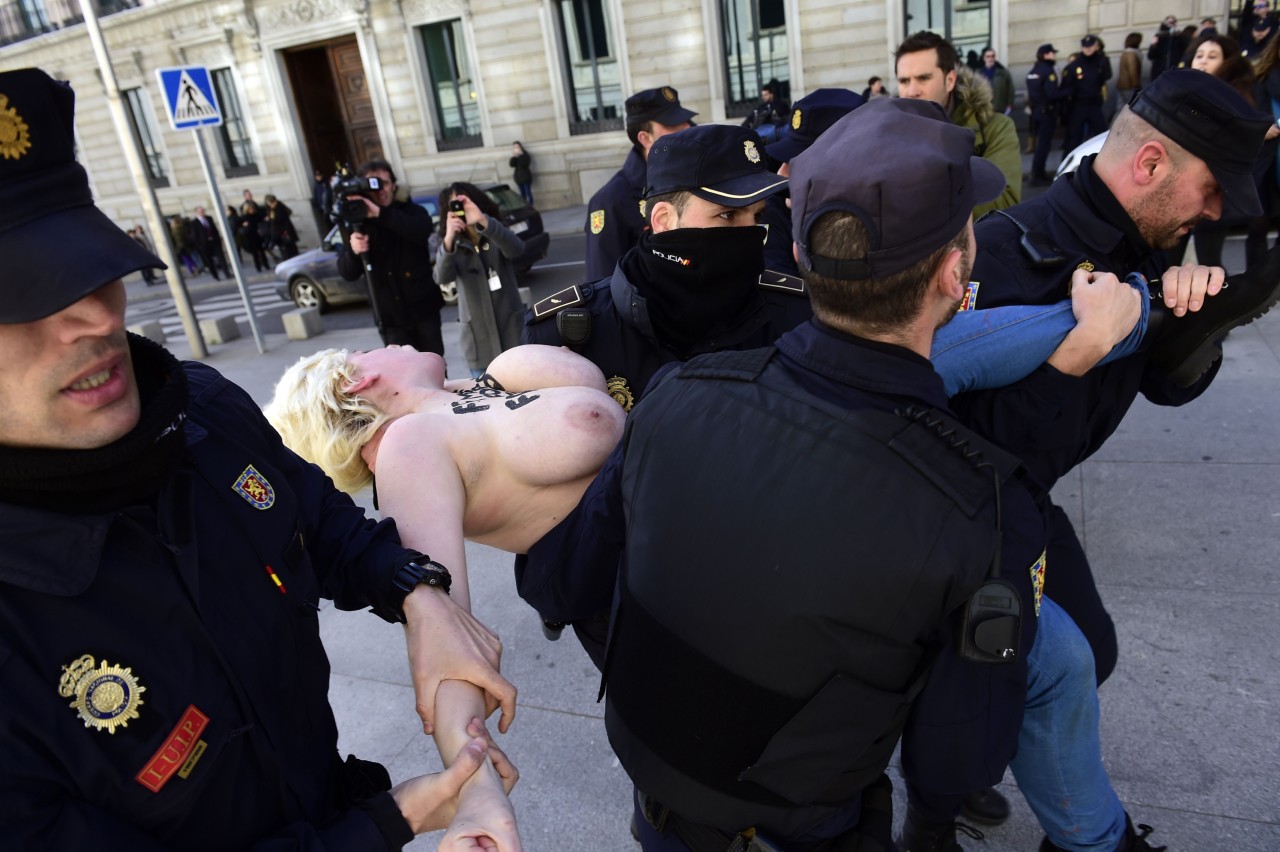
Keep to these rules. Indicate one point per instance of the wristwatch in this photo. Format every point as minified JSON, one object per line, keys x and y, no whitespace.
{"x":426,"y":573}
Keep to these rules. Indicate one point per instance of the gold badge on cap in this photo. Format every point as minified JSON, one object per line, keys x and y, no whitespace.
{"x":15,"y":136}
{"x":106,"y":696}
{"x":617,"y":388}
{"x":795,"y":120}
{"x":752,"y":152}
{"x":597,"y":221}
{"x":668,"y":93}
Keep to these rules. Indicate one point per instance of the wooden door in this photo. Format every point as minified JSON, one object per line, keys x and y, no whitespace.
{"x":357,"y":105}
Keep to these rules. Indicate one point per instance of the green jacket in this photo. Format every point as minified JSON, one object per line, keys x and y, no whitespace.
{"x":996,"y":139}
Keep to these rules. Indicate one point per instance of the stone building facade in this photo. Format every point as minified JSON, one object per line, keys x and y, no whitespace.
{"x":441,"y":88}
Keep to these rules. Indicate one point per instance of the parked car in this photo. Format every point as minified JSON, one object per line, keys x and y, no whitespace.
{"x":1087,"y":148}
{"x":311,"y":279}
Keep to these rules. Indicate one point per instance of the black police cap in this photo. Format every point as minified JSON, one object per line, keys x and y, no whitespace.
{"x":661,"y":105}
{"x":812,"y":115}
{"x":716,"y":162}
{"x":1210,"y":120}
{"x":58,"y":247}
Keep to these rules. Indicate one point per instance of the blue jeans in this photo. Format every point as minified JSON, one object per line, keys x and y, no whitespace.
{"x":999,"y":346}
{"x":1059,"y":762}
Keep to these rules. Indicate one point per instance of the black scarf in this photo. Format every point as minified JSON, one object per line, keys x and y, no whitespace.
{"x":126,"y":472}
{"x":1134,"y":254}
{"x":697,"y":282}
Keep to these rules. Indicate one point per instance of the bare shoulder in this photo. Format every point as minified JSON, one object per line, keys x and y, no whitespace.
{"x":413,"y":440}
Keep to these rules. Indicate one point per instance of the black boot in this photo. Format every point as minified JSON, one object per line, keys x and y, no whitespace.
{"x":1131,"y":842}
{"x":987,"y":806}
{"x":919,"y":835}
{"x":1185,"y":347}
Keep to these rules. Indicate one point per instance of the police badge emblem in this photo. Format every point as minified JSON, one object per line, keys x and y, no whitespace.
{"x":752,"y":152}
{"x":1037,"y":580}
{"x":255,"y":489}
{"x":617,"y":388}
{"x":1086,"y":265}
{"x":106,"y":696}
{"x":597,"y":221}
{"x":15,"y":135}
{"x":970,"y":300}
{"x":669,"y":93}
{"x":795,"y":120}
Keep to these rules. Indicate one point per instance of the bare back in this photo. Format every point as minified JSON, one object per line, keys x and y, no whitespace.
{"x":523,"y":459}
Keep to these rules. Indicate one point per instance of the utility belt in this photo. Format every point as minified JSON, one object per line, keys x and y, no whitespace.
{"x":873,"y":833}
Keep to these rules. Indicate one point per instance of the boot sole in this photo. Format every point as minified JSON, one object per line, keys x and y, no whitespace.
{"x":1202,"y":357}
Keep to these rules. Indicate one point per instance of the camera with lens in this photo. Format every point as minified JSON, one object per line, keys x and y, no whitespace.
{"x":349,"y":212}
{"x":456,"y":208}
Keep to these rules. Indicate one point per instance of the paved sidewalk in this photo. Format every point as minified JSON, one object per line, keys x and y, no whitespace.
{"x":1180,"y":515}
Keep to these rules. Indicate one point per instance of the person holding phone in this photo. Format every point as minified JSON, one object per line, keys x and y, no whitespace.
{"x":478,"y":252}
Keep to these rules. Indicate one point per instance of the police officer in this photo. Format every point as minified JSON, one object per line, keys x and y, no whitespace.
{"x":695,"y":282}
{"x":812,"y":115}
{"x":1082,"y":83}
{"x":1185,"y":146}
{"x":1043,"y":96}
{"x":163,"y":562}
{"x":614,"y":218}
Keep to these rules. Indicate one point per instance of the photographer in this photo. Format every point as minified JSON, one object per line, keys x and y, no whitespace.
{"x":390,"y":237}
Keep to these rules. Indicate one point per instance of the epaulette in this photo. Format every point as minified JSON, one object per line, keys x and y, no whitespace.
{"x":556,"y":302}
{"x":771,"y":280}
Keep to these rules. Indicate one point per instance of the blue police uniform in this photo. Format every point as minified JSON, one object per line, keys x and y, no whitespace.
{"x":1051,"y":420}
{"x":614,"y":223}
{"x":964,"y":724}
{"x":1043,"y":96}
{"x":165,"y":683}
{"x":1082,"y":82}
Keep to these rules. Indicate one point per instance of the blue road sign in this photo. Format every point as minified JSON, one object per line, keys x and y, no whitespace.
{"x":189,"y":97}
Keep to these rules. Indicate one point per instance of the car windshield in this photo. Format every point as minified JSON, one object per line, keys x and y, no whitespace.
{"x":508,"y":200}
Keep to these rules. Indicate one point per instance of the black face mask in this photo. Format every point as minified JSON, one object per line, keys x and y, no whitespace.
{"x":697,"y":281}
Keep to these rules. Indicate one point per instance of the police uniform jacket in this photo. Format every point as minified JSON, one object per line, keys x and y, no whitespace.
{"x":614,"y":223}
{"x":748,"y":629}
{"x":1042,"y":87}
{"x":1083,"y":78}
{"x":401,"y":260}
{"x":627,"y":348}
{"x":188,"y":630}
{"x":1051,"y":420}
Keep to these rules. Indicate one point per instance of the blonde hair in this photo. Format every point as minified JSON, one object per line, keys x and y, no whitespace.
{"x":323,"y":423}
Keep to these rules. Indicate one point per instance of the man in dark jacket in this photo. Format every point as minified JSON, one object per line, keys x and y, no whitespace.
{"x":162,"y":560}
{"x":1082,"y":86}
{"x":391,"y":245}
{"x":1167,"y":47}
{"x":614,"y":219}
{"x":1044,"y":98}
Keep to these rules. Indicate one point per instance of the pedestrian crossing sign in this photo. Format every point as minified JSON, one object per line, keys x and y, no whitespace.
{"x":188,"y":97}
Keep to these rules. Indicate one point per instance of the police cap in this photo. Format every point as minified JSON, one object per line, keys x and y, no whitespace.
{"x":1089,"y":41}
{"x":1044,"y":49}
{"x":661,"y":105}
{"x":912,"y":203}
{"x":58,"y":247}
{"x":813,"y":114}
{"x":1210,"y":120}
{"x":717,"y":162}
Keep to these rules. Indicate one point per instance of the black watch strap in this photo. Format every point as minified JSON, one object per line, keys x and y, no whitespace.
{"x":422,"y":572}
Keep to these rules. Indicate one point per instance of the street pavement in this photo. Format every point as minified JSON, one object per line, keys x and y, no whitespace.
{"x":1179,"y":514}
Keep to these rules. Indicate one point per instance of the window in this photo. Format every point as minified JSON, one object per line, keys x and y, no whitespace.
{"x":755,"y":51}
{"x":964,"y":23}
{"x":591,"y":73}
{"x":453,"y":88}
{"x":233,"y":135}
{"x":145,"y":134}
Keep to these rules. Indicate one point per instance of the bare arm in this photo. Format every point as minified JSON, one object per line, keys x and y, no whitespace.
{"x":421,"y":488}
{"x":537,"y":367}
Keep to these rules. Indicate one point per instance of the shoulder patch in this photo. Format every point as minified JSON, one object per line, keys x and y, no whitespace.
{"x":556,"y":302}
{"x":597,"y":221}
{"x":771,"y":280}
{"x":970,"y":300}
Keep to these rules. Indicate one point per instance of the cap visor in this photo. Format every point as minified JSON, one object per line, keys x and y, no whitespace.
{"x":673,"y":116}
{"x":1240,"y":191}
{"x":790,"y":146}
{"x":741,"y":191}
{"x":988,"y":180}
{"x":58,"y":259}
